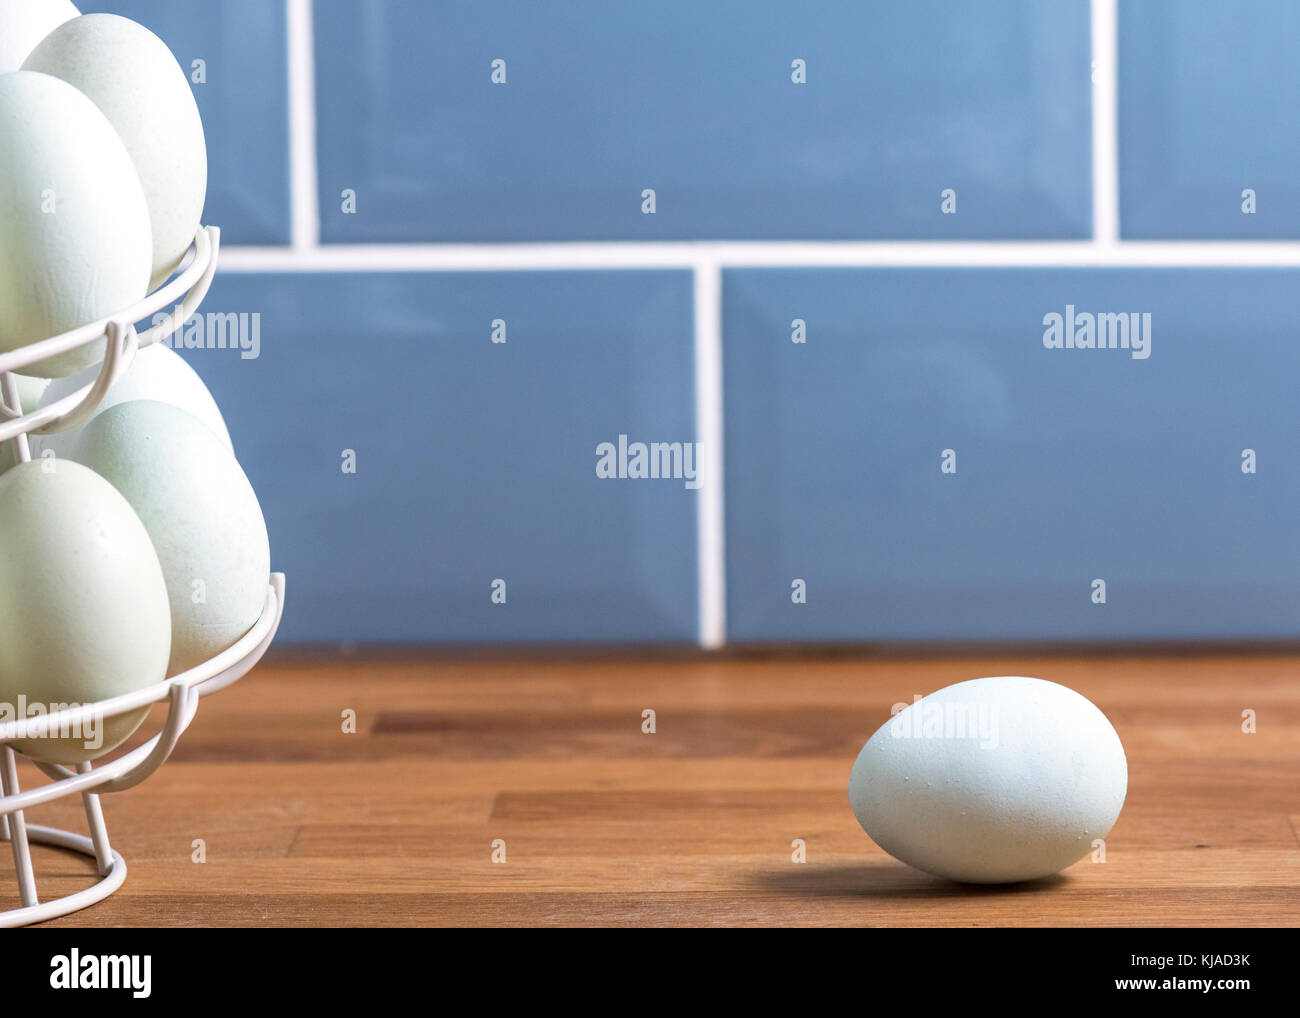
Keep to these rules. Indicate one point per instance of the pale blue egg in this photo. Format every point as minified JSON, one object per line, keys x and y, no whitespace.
{"x":199,"y":510}
{"x":83,"y":605}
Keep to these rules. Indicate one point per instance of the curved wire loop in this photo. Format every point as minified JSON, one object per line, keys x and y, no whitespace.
{"x":179,"y":299}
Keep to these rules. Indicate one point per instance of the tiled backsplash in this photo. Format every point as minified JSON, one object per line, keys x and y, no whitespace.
{"x":475,"y":461}
{"x":1208,"y":111}
{"x":906,"y":455}
{"x":697,"y":102}
{"x":930,"y":470}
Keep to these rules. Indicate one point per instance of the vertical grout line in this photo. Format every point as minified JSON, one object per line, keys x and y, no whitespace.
{"x":1105,"y":122}
{"x":303,"y":185}
{"x":711,"y":521}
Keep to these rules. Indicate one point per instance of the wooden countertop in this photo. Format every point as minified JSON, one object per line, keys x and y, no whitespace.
{"x":394,"y":825}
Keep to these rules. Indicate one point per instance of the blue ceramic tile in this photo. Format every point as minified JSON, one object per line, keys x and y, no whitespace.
{"x":244,"y":104}
{"x":474,"y":460}
{"x":1207,"y":111}
{"x":696,"y":101}
{"x":1071,"y":464}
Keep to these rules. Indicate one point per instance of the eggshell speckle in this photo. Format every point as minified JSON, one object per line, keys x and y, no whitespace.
{"x":131,"y":75}
{"x":157,"y":373}
{"x":201,"y":513}
{"x":74,"y":229}
{"x":24,"y":23}
{"x":992,"y":780}
{"x":83,"y":605}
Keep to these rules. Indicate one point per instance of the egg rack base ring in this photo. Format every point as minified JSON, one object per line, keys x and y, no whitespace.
{"x":182,"y":693}
{"x":40,"y":912}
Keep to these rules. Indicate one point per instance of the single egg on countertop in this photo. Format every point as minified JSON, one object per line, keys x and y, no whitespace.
{"x":131,"y":75}
{"x":991,"y":780}
{"x":83,"y":604}
{"x":24,"y":23}
{"x":157,"y":373}
{"x":74,"y":227}
{"x":201,"y":513}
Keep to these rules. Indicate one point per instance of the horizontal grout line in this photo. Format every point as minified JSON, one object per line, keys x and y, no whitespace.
{"x":754,"y":254}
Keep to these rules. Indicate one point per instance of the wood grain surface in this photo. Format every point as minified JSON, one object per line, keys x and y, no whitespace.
{"x":303,"y":824}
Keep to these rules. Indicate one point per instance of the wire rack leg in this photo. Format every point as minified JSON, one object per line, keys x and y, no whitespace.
{"x":98,"y":832}
{"x":18,"y":831}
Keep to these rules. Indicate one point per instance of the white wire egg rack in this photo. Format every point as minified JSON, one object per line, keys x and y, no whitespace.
{"x":181,"y":692}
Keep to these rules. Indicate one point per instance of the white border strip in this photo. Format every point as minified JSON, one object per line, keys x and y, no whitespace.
{"x":1105,"y":123}
{"x":303,"y":184}
{"x":710,"y":518}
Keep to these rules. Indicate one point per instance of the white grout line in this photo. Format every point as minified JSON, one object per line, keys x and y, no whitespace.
{"x":710,"y":519}
{"x":1105,"y":122}
{"x":753,"y":254}
{"x":303,"y":183}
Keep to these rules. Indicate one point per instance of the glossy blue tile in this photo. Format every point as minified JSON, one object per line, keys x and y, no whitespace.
{"x":475,"y":460}
{"x":244,"y":104}
{"x":1207,"y":111}
{"x":696,"y":101}
{"x":1071,"y":464}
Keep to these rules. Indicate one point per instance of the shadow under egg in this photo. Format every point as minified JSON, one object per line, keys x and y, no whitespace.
{"x":888,"y":880}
